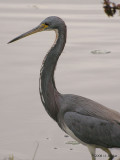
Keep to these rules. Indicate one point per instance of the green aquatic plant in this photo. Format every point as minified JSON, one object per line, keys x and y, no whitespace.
{"x":11,"y":157}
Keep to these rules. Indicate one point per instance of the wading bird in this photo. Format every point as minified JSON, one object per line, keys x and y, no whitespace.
{"x":85,"y":120}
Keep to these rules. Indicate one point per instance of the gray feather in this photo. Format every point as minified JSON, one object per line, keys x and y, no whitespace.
{"x":90,"y":121}
{"x":93,"y":130}
{"x":89,"y":107}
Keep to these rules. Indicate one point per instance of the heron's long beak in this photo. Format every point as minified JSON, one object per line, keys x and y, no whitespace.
{"x":39,"y":28}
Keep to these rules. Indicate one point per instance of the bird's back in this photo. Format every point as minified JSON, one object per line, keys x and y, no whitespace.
{"x":89,"y":107}
{"x":90,"y":121}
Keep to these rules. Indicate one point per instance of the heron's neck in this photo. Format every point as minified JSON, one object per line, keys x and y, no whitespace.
{"x":48,"y":92}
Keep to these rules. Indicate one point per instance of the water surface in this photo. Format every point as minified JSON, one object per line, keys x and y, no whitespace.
{"x":23,"y":120}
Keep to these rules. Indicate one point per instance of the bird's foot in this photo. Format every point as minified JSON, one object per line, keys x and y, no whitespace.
{"x":111,"y":157}
{"x":108,"y":152}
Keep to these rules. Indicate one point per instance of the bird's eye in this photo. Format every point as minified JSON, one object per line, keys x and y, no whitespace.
{"x":47,"y":24}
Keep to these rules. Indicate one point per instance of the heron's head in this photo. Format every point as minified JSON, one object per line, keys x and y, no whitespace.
{"x":50,"y":23}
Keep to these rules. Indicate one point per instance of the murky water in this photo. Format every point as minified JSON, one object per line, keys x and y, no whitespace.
{"x":23,"y":120}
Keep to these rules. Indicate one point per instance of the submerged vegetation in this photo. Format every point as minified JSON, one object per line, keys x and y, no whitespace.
{"x":11,"y":157}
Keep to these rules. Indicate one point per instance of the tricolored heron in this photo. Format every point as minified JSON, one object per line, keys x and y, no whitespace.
{"x":87,"y":121}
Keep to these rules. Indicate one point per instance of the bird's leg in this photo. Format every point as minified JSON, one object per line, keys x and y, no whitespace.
{"x":108,"y":152}
{"x":92,"y":152}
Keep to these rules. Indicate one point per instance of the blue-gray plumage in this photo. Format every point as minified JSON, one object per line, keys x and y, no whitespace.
{"x":87,"y":121}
